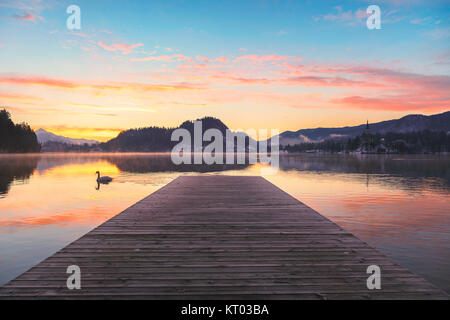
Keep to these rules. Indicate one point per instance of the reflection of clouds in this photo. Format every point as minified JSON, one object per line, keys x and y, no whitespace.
{"x":83,"y":210}
{"x":51,"y":161}
{"x":145,"y":179}
{"x":58,"y":219}
{"x":82,"y":169}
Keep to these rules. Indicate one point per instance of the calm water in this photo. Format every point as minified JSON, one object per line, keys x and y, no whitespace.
{"x":398,"y":204}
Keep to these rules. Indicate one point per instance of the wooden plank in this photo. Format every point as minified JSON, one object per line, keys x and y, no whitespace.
{"x":219,"y":237}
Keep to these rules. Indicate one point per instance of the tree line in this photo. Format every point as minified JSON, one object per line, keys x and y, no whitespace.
{"x":16,"y":138}
{"x":425,"y":141}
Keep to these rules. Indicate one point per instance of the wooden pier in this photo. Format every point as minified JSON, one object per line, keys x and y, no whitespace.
{"x":219,"y":237}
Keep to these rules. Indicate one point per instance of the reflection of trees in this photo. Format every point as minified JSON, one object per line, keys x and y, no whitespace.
{"x":420,"y":166}
{"x":15,"y":168}
{"x":163,"y":163}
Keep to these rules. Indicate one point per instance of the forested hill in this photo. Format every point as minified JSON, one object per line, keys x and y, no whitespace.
{"x":156,"y":139}
{"x":16,"y":138}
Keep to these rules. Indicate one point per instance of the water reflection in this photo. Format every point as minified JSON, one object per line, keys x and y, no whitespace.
{"x":162,"y":163}
{"x":412,"y":167}
{"x":18,"y":169}
{"x":398,"y":204}
{"x":430,"y":171}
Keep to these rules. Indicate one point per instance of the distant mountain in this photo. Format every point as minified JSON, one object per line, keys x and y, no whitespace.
{"x":44,"y":136}
{"x":410,"y":123}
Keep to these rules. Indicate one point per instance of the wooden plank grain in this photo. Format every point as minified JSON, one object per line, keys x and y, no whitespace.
{"x":219,"y":237}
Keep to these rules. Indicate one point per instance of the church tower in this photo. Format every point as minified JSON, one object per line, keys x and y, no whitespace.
{"x":367,"y":130}
{"x":367,"y":139}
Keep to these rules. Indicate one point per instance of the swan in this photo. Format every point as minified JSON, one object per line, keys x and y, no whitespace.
{"x":104,"y":179}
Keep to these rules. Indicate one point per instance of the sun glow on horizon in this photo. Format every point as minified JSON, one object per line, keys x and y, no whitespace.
{"x":98,"y":134}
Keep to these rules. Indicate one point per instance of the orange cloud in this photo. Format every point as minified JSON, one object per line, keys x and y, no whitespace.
{"x":15,"y":96}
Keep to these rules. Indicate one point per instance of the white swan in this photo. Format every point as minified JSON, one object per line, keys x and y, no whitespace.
{"x":104,"y":180}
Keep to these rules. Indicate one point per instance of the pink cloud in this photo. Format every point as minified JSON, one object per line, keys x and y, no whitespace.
{"x":25,"y":16}
{"x":324,"y":81}
{"x":394,"y":103}
{"x":257,"y":58}
{"x":72,"y":84}
{"x":127,"y":48}
{"x":396,"y":78}
{"x":33,"y":80}
{"x":180,"y":57}
{"x":105,"y":46}
{"x":122,"y":47}
{"x":164,"y":58}
{"x":242,"y":80}
{"x":83,"y":35}
{"x":202,"y":59}
{"x":222,"y":59}
{"x":294,"y":70}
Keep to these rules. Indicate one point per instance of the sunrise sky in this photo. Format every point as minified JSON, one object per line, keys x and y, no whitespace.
{"x":283,"y":65}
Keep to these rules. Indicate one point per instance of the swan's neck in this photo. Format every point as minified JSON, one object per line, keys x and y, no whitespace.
{"x":98,"y":175}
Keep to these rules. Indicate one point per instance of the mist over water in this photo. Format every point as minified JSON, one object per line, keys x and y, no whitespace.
{"x":398,"y":204}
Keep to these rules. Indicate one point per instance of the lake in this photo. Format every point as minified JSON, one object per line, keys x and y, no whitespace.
{"x":397,"y":204}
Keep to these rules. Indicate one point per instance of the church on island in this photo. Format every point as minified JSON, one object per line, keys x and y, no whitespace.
{"x":369,"y":143}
